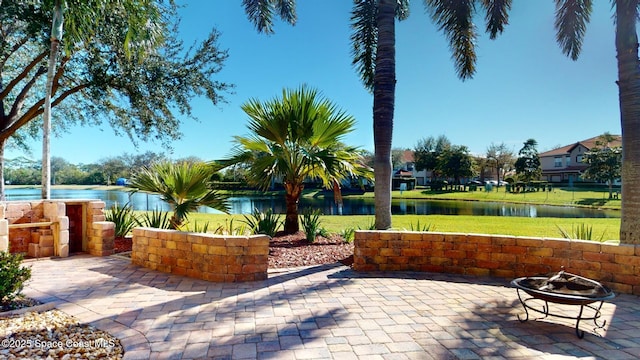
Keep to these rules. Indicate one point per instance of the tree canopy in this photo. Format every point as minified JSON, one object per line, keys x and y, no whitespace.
{"x":102,"y":78}
{"x":427,"y":152}
{"x":455,"y":162}
{"x":605,"y":162}
{"x":501,"y":157}
{"x":528,"y":162}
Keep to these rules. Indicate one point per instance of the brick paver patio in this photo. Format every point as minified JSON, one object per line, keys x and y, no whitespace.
{"x":322,"y":312}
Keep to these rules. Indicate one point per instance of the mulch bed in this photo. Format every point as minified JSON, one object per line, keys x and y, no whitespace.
{"x":292,"y":250}
{"x":122,"y":244}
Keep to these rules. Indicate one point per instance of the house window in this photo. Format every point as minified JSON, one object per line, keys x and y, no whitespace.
{"x":568,"y":160}
{"x":579,"y":159}
{"x":557,"y":162}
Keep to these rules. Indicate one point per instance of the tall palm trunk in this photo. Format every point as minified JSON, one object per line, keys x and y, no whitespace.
{"x":175,"y":221}
{"x":56,"y":35}
{"x":292,"y":196}
{"x":384,"y":88}
{"x":629,"y":94}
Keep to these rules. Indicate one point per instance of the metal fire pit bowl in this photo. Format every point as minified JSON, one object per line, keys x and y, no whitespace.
{"x":564,"y":288}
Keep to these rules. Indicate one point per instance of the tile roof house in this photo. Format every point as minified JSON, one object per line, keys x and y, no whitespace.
{"x":408,"y":169}
{"x":565,"y":163}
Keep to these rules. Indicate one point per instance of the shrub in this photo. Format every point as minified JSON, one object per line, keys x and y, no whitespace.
{"x":348,"y":235}
{"x":582,"y":232}
{"x":310,"y":222}
{"x":201,"y":228}
{"x":263,"y":223}
{"x":12,"y":276}
{"x":155,"y":219}
{"x":123,"y":217}
{"x":324,"y":232}
{"x":424,"y":228}
{"x":229,"y":229}
{"x":371,"y":226}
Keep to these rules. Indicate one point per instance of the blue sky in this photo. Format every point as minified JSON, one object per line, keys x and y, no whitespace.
{"x":524,"y":86}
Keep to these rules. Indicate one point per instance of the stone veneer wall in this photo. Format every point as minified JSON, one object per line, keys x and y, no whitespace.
{"x":34,"y":241}
{"x":617,"y":266}
{"x":209,"y":257}
{"x":41,"y":241}
{"x":100,"y":233}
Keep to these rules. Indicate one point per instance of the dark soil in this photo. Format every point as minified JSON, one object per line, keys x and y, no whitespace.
{"x":292,"y":250}
{"x":18,"y":303}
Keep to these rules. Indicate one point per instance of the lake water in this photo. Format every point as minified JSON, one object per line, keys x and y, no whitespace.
{"x":245,"y":205}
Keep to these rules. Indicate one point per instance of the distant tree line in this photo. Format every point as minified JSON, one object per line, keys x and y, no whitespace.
{"x":23,"y":171}
{"x":455,"y":162}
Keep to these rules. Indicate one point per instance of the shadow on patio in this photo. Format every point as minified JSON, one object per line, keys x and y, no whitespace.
{"x":326,"y":311}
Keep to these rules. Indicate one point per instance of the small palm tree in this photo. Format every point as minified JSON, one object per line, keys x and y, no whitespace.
{"x":296,"y":138}
{"x":185,"y":186}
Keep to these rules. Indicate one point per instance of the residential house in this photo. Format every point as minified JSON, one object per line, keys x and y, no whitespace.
{"x":408,"y":169}
{"x":565,"y":164}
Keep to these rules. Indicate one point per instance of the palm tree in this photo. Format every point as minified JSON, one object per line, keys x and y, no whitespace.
{"x":185,"y":186}
{"x":572,"y":17}
{"x":296,"y":138}
{"x":373,"y":39}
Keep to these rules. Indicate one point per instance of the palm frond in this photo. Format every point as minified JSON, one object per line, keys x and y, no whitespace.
{"x":156,"y":219}
{"x":287,"y":10}
{"x":185,"y":186}
{"x":571,"y":21}
{"x":260,"y":13}
{"x":402,"y":9}
{"x":329,"y":130}
{"x":497,"y":15}
{"x":123,"y":217}
{"x":364,"y":39}
{"x":454,"y":18}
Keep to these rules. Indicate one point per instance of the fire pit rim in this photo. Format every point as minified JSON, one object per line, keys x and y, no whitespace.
{"x":569,"y":299}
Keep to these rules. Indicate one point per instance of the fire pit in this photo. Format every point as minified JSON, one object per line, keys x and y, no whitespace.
{"x":564,"y":288}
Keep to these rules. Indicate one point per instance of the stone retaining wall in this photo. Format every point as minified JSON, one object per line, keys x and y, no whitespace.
{"x":617,"y":266}
{"x":100,"y":234}
{"x":209,"y":257}
{"x":52,"y":240}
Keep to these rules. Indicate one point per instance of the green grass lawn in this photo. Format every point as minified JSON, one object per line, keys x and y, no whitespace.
{"x":605,"y":228}
{"x":558,"y":196}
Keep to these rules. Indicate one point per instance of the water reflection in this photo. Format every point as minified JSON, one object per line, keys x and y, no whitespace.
{"x":245,"y":205}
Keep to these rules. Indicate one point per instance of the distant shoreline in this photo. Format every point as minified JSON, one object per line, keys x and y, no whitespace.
{"x":70,"y":187}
